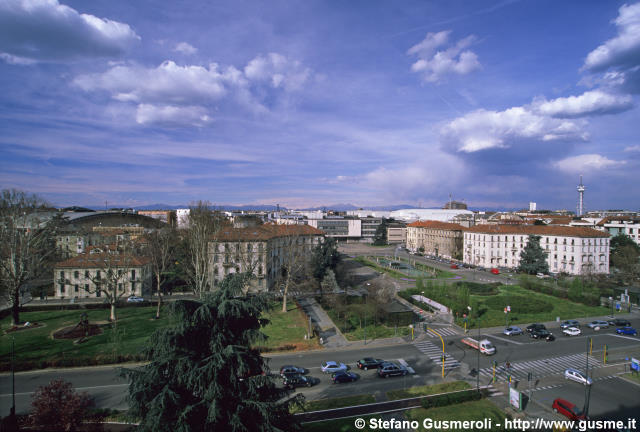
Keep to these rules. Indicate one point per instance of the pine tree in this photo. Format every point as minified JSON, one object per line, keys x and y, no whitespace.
{"x":532,"y":258}
{"x":203,"y":374}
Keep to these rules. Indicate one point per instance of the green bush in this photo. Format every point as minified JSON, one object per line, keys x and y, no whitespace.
{"x":450,"y":398}
{"x":480,"y":288}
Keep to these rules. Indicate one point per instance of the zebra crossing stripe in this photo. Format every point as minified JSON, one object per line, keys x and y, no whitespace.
{"x":540,"y":367}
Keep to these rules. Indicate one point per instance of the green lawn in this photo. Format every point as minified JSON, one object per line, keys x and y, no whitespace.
{"x":324,"y":404}
{"x":473,"y":411}
{"x":399,"y":273}
{"x":521,"y":299}
{"x":288,"y":329}
{"x":428,"y":390}
{"x":35,"y":348}
{"x":632,"y":377}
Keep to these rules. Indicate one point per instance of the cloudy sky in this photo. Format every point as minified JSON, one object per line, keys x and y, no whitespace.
{"x":304,"y":103}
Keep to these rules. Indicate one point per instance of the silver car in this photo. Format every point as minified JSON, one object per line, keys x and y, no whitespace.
{"x":577,"y":376}
{"x":512,"y":331}
{"x":598,"y":324}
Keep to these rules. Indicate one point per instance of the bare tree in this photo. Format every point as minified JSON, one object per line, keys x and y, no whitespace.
{"x":113,"y":264}
{"x":203,"y":225}
{"x":27,"y":244}
{"x":295,"y":265}
{"x":160,"y":248}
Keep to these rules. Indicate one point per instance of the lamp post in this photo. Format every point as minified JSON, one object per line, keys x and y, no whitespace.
{"x":587,"y":388}
{"x":478,"y":359}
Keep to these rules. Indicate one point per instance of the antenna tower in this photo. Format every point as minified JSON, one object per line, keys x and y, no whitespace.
{"x":581,"y":189}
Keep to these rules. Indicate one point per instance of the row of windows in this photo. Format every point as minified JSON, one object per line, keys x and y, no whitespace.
{"x":76,"y":288}
{"x":98,"y":274}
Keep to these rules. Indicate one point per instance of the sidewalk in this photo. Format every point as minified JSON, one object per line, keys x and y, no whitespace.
{"x":327,"y":330}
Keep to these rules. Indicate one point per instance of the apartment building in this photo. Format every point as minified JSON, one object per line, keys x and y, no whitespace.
{"x":265,"y":250}
{"x":396,"y":233}
{"x":437,"y":238}
{"x":80,"y":275}
{"x":573,"y":250}
{"x":627,"y":225}
{"x":338,"y":228}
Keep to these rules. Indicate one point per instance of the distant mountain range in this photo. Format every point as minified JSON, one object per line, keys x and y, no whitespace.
{"x":335,"y":207}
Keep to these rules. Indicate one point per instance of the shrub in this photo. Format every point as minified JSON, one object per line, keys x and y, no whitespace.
{"x":450,"y":398}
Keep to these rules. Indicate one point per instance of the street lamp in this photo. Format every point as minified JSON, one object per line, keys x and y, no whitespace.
{"x":478,"y":359}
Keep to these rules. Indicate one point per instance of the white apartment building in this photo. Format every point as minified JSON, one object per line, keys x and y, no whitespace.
{"x":573,"y":250}
{"x":628,"y":225}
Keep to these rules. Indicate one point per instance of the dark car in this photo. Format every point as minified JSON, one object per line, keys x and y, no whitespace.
{"x":342,"y":377}
{"x":369,"y":363}
{"x":293,"y":381}
{"x":535,"y":326}
{"x":619,"y":322}
{"x":292,"y":370}
{"x":387,"y":369}
{"x":567,"y":409}
{"x":569,"y":323}
{"x":542,"y":334}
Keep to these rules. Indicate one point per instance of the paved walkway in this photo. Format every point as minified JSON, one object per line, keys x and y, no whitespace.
{"x":330,"y":334}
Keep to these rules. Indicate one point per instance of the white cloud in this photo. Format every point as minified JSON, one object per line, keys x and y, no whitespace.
{"x":634,"y":148}
{"x":278,"y":71}
{"x":435,"y":65}
{"x":595,"y":102}
{"x":169,"y":115}
{"x":47,"y":30}
{"x":622,"y":50}
{"x":482,"y":129}
{"x":169,"y":83}
{"x":185,"y":48}
{"x":586,"y":162}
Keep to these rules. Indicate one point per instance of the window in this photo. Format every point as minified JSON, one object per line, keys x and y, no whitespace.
{"x":98,"y":274}
{"x":75,"y":288}
{"x":61,"y":288}
{"x":86,"y":274}
{"x":62,"y":275}
{"x":86,"y":287}
{"x":249,"y":247}
{"x":133,"y":287}
{"x":120,"y":287}
{"x":215,"y":258}
{"x":98,"y":292}
{"x":133,"y":275}
{"x":76,"y":274}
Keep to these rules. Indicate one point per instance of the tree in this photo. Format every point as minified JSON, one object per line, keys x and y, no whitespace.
{"x":625,"y":256}
{"x":202,"y":372}
{"x":325,"y":256}
{"x":57,"y":406}
{"x":380,"y":238}
{"x":114,"y":263}
{"x":329,"y":283}
{"x":203,"y":225}
{"x":532,"y":258}
{"x":294,"y":265}
{"x":27,"y":244}
{"x":160,"y":249}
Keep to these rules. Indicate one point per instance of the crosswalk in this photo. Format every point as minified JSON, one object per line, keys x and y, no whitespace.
{"x":539,"y":368}
{"x":442,"y":331}
{"x":435,"y":353}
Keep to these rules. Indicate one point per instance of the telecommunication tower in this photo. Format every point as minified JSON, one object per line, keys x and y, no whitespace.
{"x":581,"y":189}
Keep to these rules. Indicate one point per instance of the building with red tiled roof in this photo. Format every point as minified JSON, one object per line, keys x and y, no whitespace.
{"x":436,"y":238}
{"x":265,"y":250}
{"x":573,"y":250}
{"x":88,"y":274}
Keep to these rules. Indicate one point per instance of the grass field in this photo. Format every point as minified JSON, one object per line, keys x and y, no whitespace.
{"x":473,"y":411}
{"x":324,"y":404}
{"x":35,"y":348}
{"x":427,"y":390}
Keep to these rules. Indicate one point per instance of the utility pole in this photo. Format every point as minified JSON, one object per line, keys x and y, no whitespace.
{"x":587,"y":387}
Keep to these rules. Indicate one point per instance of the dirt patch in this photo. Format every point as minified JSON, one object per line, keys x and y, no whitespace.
{"x":31,"y":325}
{"x":75,"y":332}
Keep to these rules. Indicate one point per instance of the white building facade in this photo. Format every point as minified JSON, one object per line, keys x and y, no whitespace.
{"x":573,"y":250}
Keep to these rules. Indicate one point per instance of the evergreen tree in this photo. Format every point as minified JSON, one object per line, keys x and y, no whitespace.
{"x":203,"y":374}
{"x":325,"y":256}
{"x":380,"y":238}
{"x":532,"y":258}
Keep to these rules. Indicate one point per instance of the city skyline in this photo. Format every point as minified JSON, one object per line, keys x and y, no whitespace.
{"x":317,"y":103}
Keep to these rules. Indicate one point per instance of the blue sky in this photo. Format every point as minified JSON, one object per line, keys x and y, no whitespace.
{"x":305,"y":103}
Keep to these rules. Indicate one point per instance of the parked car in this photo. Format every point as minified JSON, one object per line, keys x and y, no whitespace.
{"x":628,"y":330}
{"x":577,"y":376}
{"x":619,"y":322}
{"x":134,"y":299}
{"x":331,"y":367}
{"x":369,"y":363}
{"x":290,"y":369}
{"x":569,"y":323}
{"x":535,"y":326}
{"x":542,"y":276}
{"x":598,"y":324}
{"x":542,"y":334}
{"x":495,"y":271}
{"x":571,"y":331}
{"x":296,"y":380}
{"x":567,"y":409}
{"x":454,"y":266}
{"x":387,"y":369}
{"x":512,"y":331}
{"x":343,"y":376}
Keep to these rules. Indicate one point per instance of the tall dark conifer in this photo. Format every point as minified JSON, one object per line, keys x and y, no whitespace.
{"x":203,"y":374}
{"x":532,"y":258}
